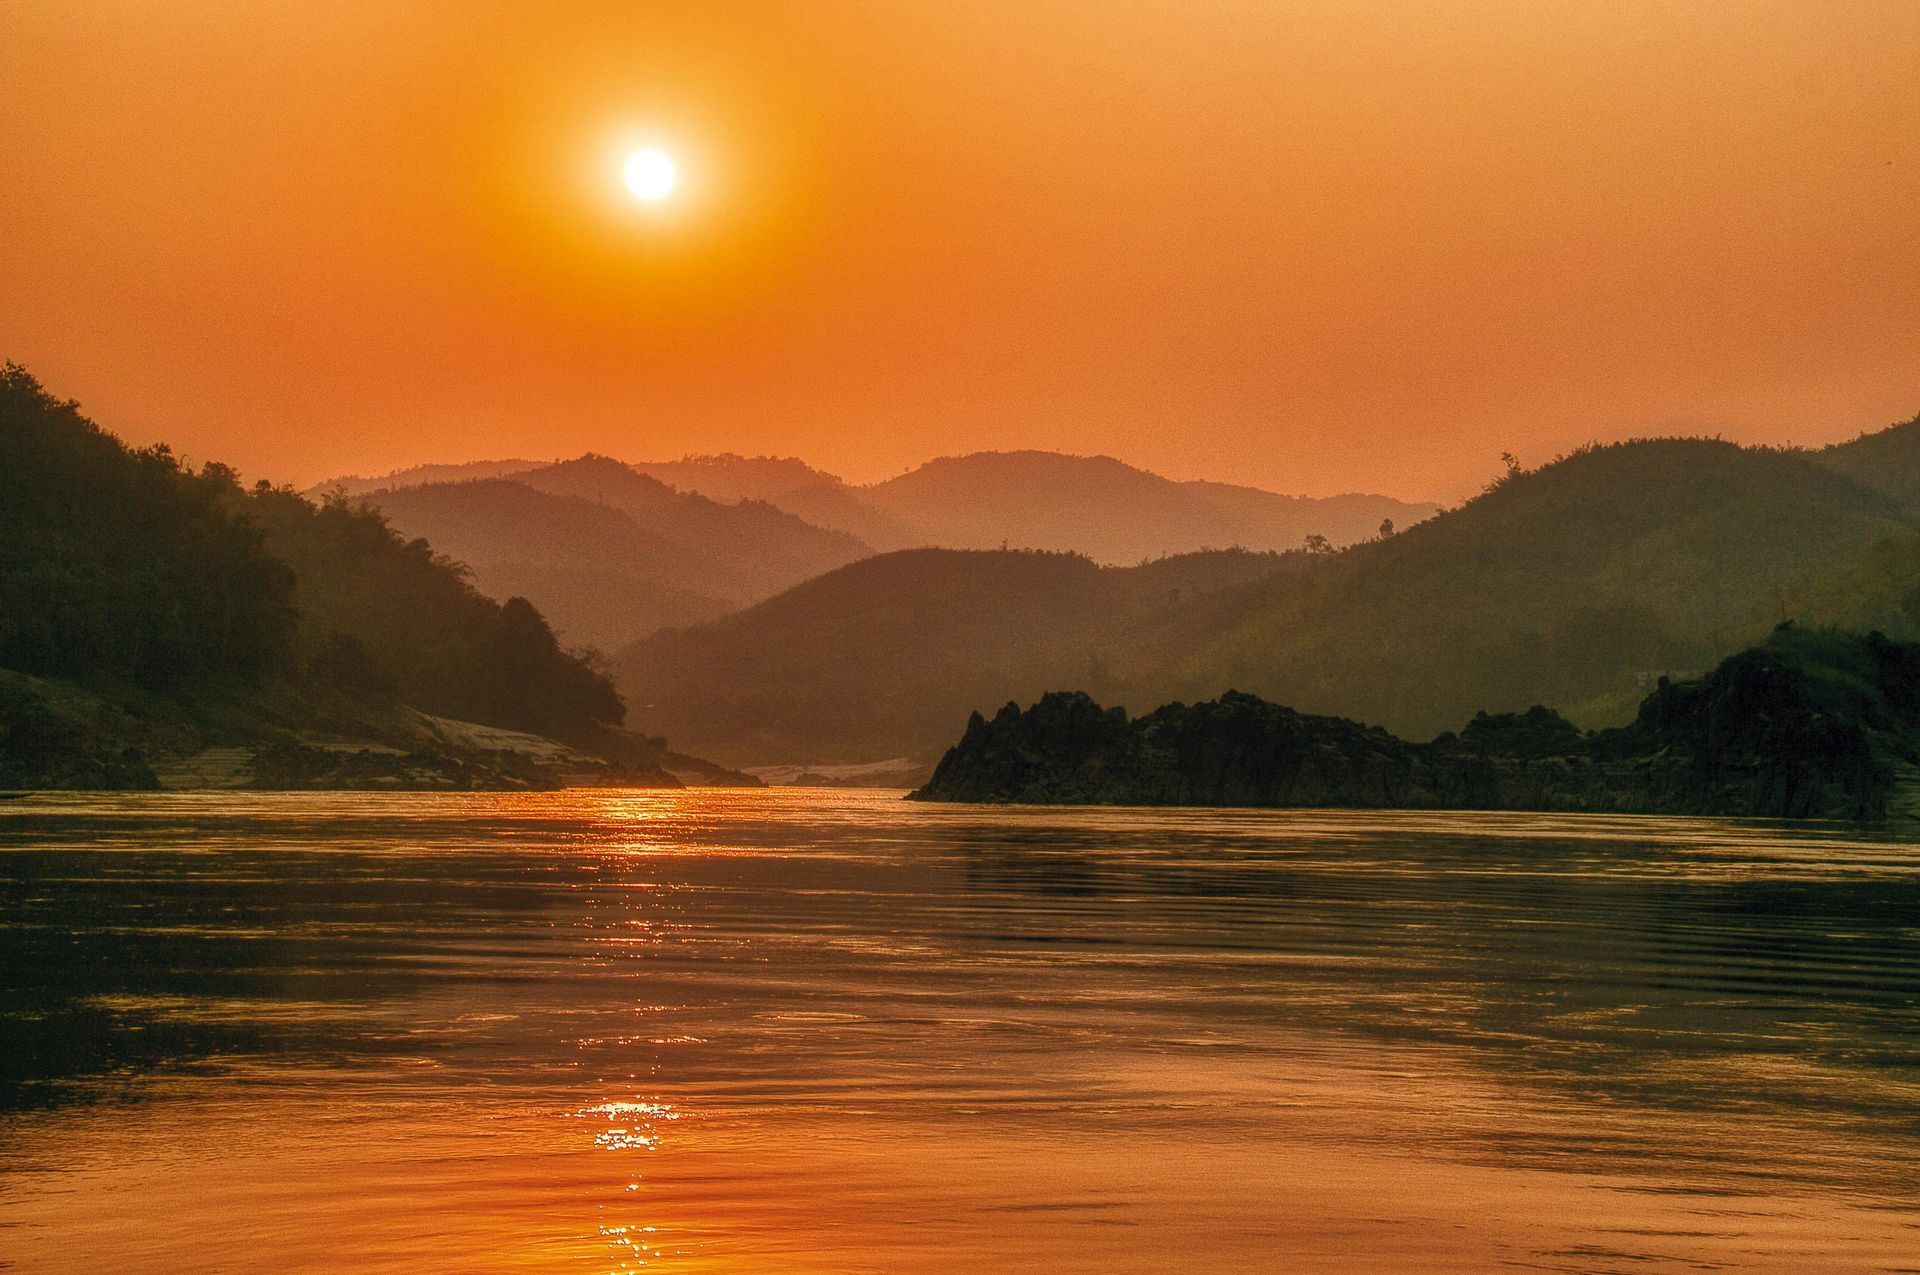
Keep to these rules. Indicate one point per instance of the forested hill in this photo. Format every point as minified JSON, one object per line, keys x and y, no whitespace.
{"x":1814,"y":724}
{"x":1575,"y":585}
{"x":880,"y":658}
{"x":1886,"y":460}
{"x":148,"y":585}
{"x":1567,"y":585}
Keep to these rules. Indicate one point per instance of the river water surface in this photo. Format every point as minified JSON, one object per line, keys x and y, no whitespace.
{"x":810,"y":1031}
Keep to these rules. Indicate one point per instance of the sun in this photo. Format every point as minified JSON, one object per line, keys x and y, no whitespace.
{"x":651,"y":175}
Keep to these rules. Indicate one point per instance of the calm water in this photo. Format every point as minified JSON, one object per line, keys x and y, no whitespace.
{"x":795,"y":1031}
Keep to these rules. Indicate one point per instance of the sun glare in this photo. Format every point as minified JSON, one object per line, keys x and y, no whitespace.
{"x":651,"y":175}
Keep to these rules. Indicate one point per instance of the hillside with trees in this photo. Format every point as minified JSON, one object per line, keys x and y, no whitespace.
{"x":1569,"y":585}
{"x":1809,"y":725}
{"x":1577,"y":584}
{"x":1886,"y":460}
{"x":378,"y":609}
{"x":150,"y":608}
{"x":880,"y":658}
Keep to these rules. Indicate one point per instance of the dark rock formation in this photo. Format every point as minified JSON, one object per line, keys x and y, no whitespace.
{"x":1812,"y":725}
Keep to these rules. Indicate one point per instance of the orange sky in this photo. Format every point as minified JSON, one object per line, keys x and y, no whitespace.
{"x":1315,"y":246}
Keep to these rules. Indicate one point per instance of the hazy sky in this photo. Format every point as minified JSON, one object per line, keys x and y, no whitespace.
{"x":1315,"y":246}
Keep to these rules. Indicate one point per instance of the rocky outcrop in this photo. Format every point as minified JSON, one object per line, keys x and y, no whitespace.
{"x":1813,"y":725}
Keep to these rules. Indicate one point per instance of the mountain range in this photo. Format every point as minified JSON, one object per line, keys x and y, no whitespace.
{"x":613,"y":552}
{"x":150,"y":611}
{"x":1579,"y":584}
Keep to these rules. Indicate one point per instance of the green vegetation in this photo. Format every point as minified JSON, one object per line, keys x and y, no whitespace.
{"x":1886,"y":460}
{"x":160,"y":596}
{"x":1571,"y":584}
{"x":126,"y":565}
{"x":1878,"y":590}
{"x":1810,"y":725}
{"x":1577,"y":584}
{"x":176,"y":609}
{"x":880,"y":658}
{"x":380,"y":611}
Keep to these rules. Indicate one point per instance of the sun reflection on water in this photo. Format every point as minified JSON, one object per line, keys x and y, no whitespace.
{"x":368,"y":1034}
{"x":631,"y":1126}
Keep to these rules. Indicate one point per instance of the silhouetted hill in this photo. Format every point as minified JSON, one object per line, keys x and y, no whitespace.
{"x":751,"y":526}
{"x":1343,"y":520}
{"x":875,"y":659}
{"x":844,"y":508}
{"x":1111,"y":511}
{"x":1886,"y":460}
{"x":1811,"y":725}
{"x":609,"y":553}
{"x":600,"y":577}
{"x":1096,"y":505}
{"x":751,"y":549}
{"x":789,"y":484}
{"x":728,"y":477}
{"x":1041,"y":500}
{"x":1576,"y":584}
{"x":417,"y":475}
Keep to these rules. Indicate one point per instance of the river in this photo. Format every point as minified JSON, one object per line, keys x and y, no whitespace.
{"x":827,"y":1031}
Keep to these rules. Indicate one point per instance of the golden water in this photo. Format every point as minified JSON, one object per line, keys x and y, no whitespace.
{"x":787,"y":1031}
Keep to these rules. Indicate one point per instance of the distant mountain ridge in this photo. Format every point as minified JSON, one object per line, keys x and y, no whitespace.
{"x":613,"y":552}
{"x":748,"y":548}
{"x":1111,"y":511}
{"x":420,"y":475}
{"x":790,"y":484}
{"x":1114,"y":512}
{"x":588,"y":567}
{"x":730,"y":476}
